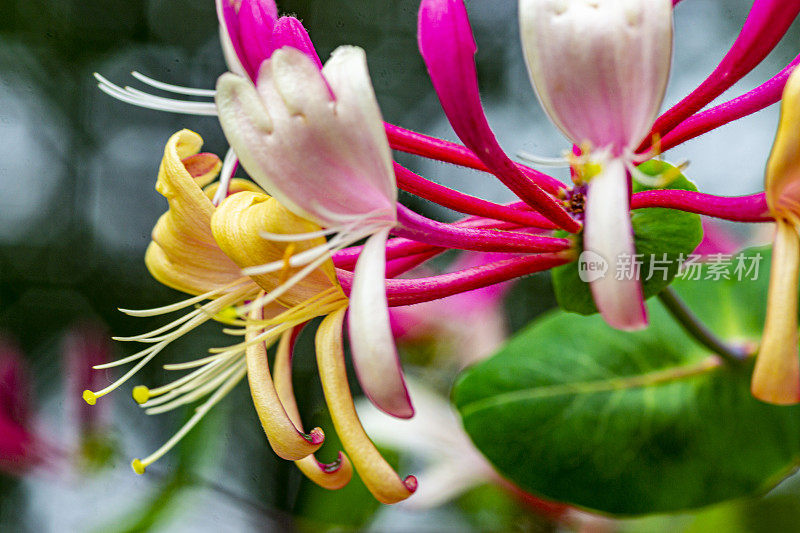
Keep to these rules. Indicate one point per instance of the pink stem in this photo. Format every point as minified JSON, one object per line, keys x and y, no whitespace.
{"x":401,"y":248}
{"x":414,"y":226}
{"x":402,"y":265}
{"x":423,"y":145}
{"x":762,"y":96}
{"x":464,"y":203}
{"x":766,"y":24}
{"x":412,"y":291}
{"x":751,"y":208}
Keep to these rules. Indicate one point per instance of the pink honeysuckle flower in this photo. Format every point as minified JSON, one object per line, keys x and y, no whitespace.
{"x":85,"y":347}
{"x":19,"y":447}
{"x":776,"y":377}
{"x":315,"y":141}
{"x":620,"y":51}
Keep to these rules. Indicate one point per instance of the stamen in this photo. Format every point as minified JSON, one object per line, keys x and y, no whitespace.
{"x":276,"y":293}
{"x":225,"y":176}
{"x":91,"y":397}
{"x":147,"y":354}
{"x":184,"y":303}
{"x":208,"y":373}
{"x":177,"y":89}
{"x":199,"y":392}
{"x":379,"y":477}
{"x":555,"y":162}
{"x":139,"y":465}
{"x":142,"y":99}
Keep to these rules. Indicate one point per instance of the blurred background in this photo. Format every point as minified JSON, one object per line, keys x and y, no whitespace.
{"x":77,"y":204}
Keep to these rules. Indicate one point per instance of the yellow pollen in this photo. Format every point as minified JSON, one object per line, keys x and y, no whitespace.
{"x":141,"y":394}
{"x":227,"y":314}
{"x":89,"y":397}
{"x":137,"y":466}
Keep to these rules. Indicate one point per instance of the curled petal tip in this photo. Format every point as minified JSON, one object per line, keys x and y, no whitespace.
{"x":316,"y":436}
{"x":331,"y":476}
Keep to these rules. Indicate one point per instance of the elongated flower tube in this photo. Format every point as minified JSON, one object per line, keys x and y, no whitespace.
{"x":776,"y":378}
{"x":600,"y":69}
{"x":315,"y":140}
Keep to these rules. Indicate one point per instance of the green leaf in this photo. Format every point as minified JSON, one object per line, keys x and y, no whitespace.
{"x":656,"y":231}
{"x":633,"y":423}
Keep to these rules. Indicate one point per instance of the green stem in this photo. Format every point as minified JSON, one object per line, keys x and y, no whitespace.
{"x":696,"y":329}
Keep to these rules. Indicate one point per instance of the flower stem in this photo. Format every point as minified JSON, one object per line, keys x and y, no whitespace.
{"x":697,"y":330}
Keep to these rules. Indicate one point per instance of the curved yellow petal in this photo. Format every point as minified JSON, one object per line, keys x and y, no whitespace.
{"x":776,"y":377}
{"x":236,"y":185}
{"x":782,"y":182}
{"x":286,"y":440}
{"x":237,"y":225}
{"x":331,"y":476}
{"x":184,"y":254}
{"x":379,"y":477}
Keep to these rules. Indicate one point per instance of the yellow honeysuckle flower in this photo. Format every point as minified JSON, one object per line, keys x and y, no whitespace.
{"x":776,"y":378}
{"x":201,"y":249}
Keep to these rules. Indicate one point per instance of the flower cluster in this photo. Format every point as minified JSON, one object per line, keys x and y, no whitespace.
{"x":267,"y":256}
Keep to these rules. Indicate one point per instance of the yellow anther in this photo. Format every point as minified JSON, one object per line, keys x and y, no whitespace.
{"x":137,"y":466}
{"x":89,"y":397}
{"x":141,"y":394}
{"x":228,"y":314}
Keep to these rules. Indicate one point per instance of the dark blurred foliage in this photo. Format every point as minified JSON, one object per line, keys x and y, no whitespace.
{"x":77,"y":204}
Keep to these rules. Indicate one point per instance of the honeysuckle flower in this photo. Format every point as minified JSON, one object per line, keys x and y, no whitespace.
{"x":600,"y":69}
{"x":315,"y":140}
{"x":776,"y":378}
{"x":19,"y":448}
{"x":185,"y":255}
{"x":201,"y":250}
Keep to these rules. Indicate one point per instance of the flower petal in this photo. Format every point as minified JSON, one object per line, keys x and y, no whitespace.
{"x":381,"y":480}
{"x":783,"y":168}
{"x":308,"y":151}
{"x":256,"y":21}
{"x":609,"y":234}
{"x":600,"y":69}
{"x":776,"y":377}
{"x":286,"y":440}
{"x":237,"y":226}
{"x":374,"y":354}
{"x":289,"y":31}
{"x":331,"y":476}
{"x":184,"y":254}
